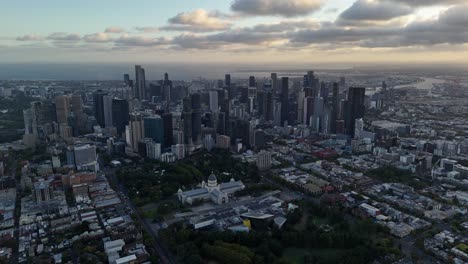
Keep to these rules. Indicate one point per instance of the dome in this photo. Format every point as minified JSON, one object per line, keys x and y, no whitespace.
{"x":212,"y":178}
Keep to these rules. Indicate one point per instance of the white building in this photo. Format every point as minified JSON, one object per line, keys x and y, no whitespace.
{"x":218,"y":193}
{"x":263,"y":160}
{"x":178,"y":151}
{"x":153,"y":150}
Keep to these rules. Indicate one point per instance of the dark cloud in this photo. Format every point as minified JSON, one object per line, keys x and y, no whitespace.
{"x":371,"y":10}
{"x":286,"y":8}
{"x":449,"y":28}
{"x":138,"y":41}
{"x":429,"y":2}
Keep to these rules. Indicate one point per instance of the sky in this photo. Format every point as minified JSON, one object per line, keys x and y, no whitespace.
{"x":262,"y":32}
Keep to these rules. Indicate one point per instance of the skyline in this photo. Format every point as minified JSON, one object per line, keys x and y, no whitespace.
{"x":240,"y":31}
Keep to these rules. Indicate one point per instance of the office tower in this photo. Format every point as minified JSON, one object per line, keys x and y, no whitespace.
{"x":263,"y":160}
{"x":135,"y":130}
{"x":62,"y":106}
{"x":227,"y":80}
{"x":261,"y":103}
{"x":220,"y":84}
{"x":259,"y":138}
{"x":196,"y":118}
{"x":153,"y":150}
{"x":335,"y":107}
{"x":107,"y":105}
{"x":120,"y":114}
{"x":85,"y":156}
{"x":284,"y":100}
{"x":308,"y":110}
{"x":178,"y":137}
{"x":42,"y":191}
{"x":274,"y":83}
{"x":356,"y":108}
{"x":269,"y":106}
{"x":223,"y":141}
{"x":300,"y":107}
{"x":167,"y":88}
{"x":187,"y":119}
{"x":42,"y":114}
{"x":318,"y":114}
{"x":98,"y":101}
{"x":226,"y":108}
{"x":358,"y":128}
{"x":208,"y":142}
{"x":178,"y":150}
{"x":252,"y":81}
{"x":139,"y":90}
{"x":214,"y":101}
{"x":154,"y":128}
{"x":342,"y":83}
{"x":27,"y":117}
{"x":77,"y":105}
{"x":127,"y":79}
{"x":221,"y":124}
{"x":168,"y":128}
{"x":277,"y":113}
{"x":244,"y":98}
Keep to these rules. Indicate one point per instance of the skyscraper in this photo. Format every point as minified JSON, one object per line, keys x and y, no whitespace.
{"x":187,"y":120}
{"x":335,"y":107}
{"x":356,"y":108}
{"x":284,"y":100}
{"x":98,"y":101}
{"x":127,"y":79}
{"x":107,"y":107}
{"x":252,"y":81}
{"x":154,"y":128}
{"x":168,"y":135}
{"x":136,"y":130}
{"x":120,"y":114}
{"x":139,"y":90}
{"x":62,"y":106}
{"x":227,"y":80}
{"x":196,"y":118}
{"x":274,"y":82}
{"x":214,"y":101}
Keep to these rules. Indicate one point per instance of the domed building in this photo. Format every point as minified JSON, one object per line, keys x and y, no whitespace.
{"x":211,"y":190}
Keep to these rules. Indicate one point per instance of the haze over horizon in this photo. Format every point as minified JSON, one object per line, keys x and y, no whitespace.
{"x":268,"y":32}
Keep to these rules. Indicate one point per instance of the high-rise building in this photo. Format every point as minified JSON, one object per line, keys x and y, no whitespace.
{"x":308,"y":110}
{"x":356,"y":108}
{"x":263,"y":160}
{"x":223,"y":141}
{"x":214,"y":101}
{"x":168,"y":128}
{"x":269,"y":106}
{"x":300,"y":107}
{"x":196,"y":118}
{"x":153,"y":150}
{"x":62,"y":106}
{"x":107,"y":105}
{"x":139,"y":90}
{"x":136,"y":130}
{"x":154,"y":128}
{"x":284,"y":100}
{"x":98,"y":101}
{"x":187,"y":120}
{"x":274,"y":83}
{"x":27,"y":117}
{"x":127,"y":79}
{"x":178,"y":150}
{"x":335,"y":107}
{"x":227,"y":80}
{"x":252,"y":81}
{"x":358,"y":128}
{"x":120,"y":114}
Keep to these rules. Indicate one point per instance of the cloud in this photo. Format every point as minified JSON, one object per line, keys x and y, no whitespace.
{"x":62,"y":36}
{"x":97,"y":37}
{"x":148,"y":29}
{"x":198,"y":20}
{"x":30,"y":37}
{"x":449,"y":28}
{"x":419,"y":3}
{"x":372,"y":10}
{"x":139,"y":41}
{"x":286,"y":8}
{"x":114,"y":30}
